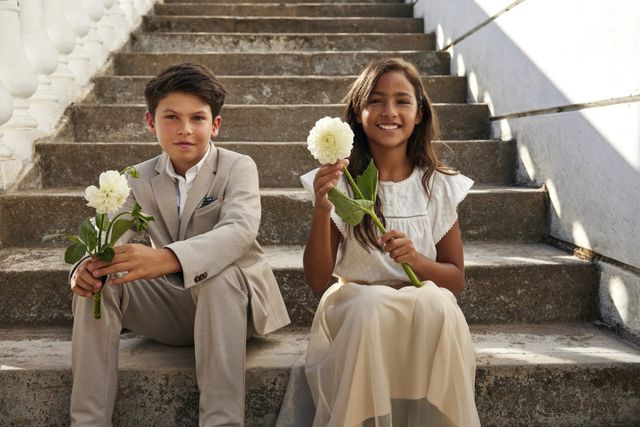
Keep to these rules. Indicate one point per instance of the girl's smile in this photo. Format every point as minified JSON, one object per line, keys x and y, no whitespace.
{"x":391,"y":112}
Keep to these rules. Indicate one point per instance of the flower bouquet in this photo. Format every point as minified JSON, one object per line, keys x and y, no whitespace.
{"x":98,"y":235}
{"x":331,"y":140}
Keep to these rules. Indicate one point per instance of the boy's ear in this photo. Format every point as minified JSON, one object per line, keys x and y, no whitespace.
{"x":150,"y":123}
{"x":215,"y":126}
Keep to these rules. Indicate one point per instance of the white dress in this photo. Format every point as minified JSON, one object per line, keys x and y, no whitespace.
{"x":381,"y":356}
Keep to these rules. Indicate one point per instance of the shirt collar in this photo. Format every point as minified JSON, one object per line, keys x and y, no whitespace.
{"x":193,"y":170}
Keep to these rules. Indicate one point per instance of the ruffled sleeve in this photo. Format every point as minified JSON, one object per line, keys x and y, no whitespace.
{"x":307,"y":183}
{"x":447,"y":193}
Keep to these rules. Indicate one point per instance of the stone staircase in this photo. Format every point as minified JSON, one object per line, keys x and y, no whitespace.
{"x":529,"y":305}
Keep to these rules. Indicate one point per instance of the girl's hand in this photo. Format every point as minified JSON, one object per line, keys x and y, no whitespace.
{"x":399,"y":247}
{"x":327,"y":178}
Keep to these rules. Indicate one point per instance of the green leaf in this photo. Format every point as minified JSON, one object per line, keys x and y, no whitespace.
{"x":74,"y":253}
{"x":368,"y":182}
{"x":88,"y":234}
{"x":351,"y":211}
{"x":119,"y":228}
{"x":107,"y":254}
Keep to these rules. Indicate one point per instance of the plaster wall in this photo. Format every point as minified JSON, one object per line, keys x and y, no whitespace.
{"x":563,"y":79}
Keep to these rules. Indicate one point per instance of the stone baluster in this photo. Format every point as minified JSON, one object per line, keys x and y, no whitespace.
{"x":9,"y":166}
{"x":105,"y":27}
{"x":125,"y":5}
{"x":79,"y":60}
{"x":63,"y":38}
{"x":95,"y":8}
{"x":119,"y":23}
{"x":6,"y":110}
{"x":18,"y":76}
{"x":43,"y":56}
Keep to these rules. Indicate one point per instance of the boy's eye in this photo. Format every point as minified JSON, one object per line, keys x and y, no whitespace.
{"x":198,"y":118}
{"x":170,"y":116}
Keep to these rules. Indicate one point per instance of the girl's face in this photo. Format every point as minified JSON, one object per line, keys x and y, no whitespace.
{"x":391,"y":112}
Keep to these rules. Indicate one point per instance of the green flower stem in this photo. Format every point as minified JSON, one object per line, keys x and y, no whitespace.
{"x":407,"y":269}
{"x":113,"y":221}
{"x":355,"y":187}
{"x":97,"y":298}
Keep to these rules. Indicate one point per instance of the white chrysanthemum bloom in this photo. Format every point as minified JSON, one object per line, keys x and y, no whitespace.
{"x":111,"y":195}
{"x":330,"y":140}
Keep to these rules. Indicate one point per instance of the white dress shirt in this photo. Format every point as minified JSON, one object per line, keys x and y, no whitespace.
{"x":185,"y":182}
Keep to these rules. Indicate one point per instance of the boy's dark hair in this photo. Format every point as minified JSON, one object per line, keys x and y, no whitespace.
{"x":189,"y":78}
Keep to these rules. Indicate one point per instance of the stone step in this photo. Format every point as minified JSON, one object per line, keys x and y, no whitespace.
{"x":282,"y":9}
{"x":506,"y":283}
{"x":267,"y":123}
{"x":286,"y":215}
{"x":277,"y":64}
{"x":279,"y":164}
{"x":227,"y":24}
{"x":272,"y":90}
{"x":250,"y":42}
{"x":576,"y":375}
{"x":156,"y":384}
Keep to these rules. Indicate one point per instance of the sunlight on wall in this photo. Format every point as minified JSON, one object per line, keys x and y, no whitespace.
{"x":472,"y":87}
{"x":620,"y":297}
{"x":460,"y":69}
{"x":555,"y":199}
{"x":620,"y":126}
{"x":527,"y":161}
{"x":580,"y":237}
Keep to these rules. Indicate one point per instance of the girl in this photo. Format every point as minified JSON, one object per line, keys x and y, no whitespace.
{"x":381,"y":351}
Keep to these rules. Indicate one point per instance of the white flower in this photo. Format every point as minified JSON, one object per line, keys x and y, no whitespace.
{"x":111,"y":195}
{"x":330,"y":140}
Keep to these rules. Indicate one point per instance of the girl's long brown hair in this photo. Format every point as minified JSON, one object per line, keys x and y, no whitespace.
{"x":420,"y":150}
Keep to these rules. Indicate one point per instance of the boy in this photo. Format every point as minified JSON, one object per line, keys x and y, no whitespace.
{"x":204,"y":273}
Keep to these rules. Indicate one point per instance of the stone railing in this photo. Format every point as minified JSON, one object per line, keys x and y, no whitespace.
{"x":49,"y":51}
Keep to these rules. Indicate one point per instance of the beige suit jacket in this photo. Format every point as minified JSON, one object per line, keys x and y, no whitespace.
{"x":210,"y":237}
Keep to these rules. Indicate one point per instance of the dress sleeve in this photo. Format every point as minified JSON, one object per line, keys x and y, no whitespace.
{"x":448,"y":192}
{"x":307,"y":183}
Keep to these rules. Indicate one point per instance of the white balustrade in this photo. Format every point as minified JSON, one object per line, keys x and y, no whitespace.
{"x":96,"y":12}
{"x":118,"y":22}
{"x":63,"y":38}
{"x":43,"y":56}
{"x":9,"y":166}
{"x":49,"y":49}
{"x":6,"y":110}
{"x":79,"y":60}
{"x":20,"y":79}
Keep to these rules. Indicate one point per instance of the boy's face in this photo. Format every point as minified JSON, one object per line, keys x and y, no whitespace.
{"x":183,"y":124}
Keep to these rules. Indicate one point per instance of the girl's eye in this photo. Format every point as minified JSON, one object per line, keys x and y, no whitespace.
{"x":374,"y":101}
{"x":404,"y":101}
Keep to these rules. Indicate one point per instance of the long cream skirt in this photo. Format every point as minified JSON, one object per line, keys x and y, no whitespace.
{"x":380,"y":357}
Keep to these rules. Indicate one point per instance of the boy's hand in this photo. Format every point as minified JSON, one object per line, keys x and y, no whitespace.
{"x":326,"y":178}
{"x":138,"y":261}
{"x":82,"y":282}
{"x":399,"y":247}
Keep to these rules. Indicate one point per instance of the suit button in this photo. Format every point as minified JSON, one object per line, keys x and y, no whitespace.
{"x":204,"y":275}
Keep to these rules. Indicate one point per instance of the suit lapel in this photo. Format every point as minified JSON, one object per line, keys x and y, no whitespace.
{"x":199,"y":189}
{"x":164,"y":190}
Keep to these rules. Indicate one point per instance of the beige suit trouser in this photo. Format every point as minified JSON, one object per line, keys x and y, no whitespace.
{"x":211,"y":315}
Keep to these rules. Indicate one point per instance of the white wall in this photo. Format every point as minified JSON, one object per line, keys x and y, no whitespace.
{"x":543,"y":54}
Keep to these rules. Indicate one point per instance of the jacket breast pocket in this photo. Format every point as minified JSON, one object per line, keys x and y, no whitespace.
{"x":211,"y":210}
